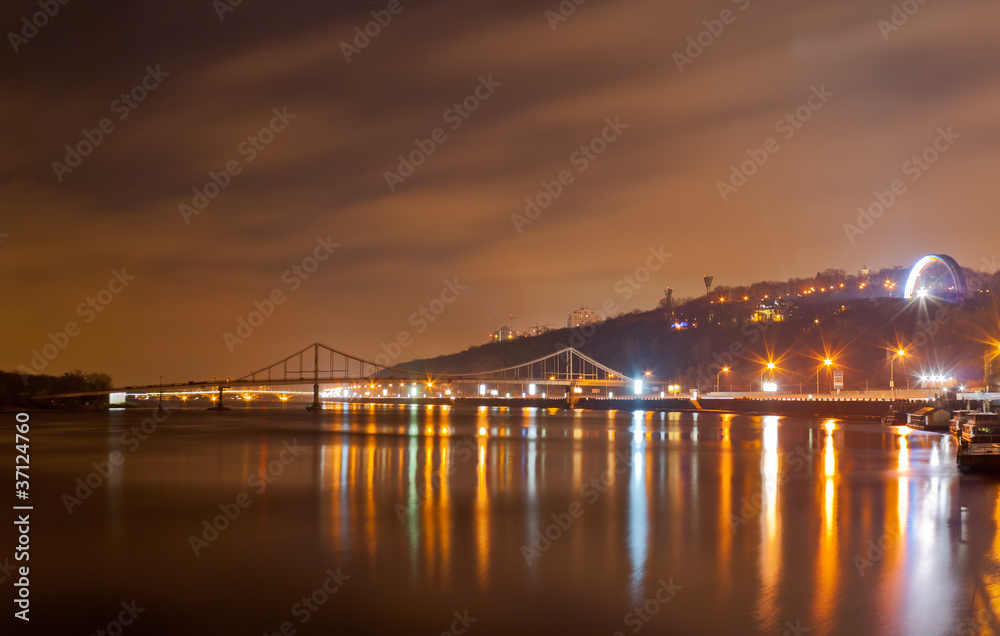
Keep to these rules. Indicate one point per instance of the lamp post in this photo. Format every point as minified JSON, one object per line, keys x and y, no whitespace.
{"x":827,"y":362}
{"x":724,"y":370}
{"x":770,"y":367}
{"x":892,"y":380}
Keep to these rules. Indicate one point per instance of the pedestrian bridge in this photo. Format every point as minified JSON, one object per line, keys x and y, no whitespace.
{"x":322,"y":366}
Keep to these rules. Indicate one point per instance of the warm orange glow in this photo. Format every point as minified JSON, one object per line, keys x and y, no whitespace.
{"x":482,"y":518}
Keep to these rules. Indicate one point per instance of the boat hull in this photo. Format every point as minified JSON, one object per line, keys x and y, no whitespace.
{"x":968,"y":463}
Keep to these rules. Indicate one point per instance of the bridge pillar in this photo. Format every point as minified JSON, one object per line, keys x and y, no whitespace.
{"x":220,"y":396}
{"x":315,"y":405}
{"x":572,"y":397}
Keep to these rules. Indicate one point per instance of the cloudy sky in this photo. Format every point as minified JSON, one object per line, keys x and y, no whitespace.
{"x":649,"y":130}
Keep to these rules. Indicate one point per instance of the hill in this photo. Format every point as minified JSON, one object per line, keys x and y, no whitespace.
{"x":858,"y":323}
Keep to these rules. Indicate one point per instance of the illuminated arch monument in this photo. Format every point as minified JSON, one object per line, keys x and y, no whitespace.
{"x":953,"y":268}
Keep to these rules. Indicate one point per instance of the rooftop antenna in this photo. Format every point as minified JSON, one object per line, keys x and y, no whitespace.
{"x":511,"y":318}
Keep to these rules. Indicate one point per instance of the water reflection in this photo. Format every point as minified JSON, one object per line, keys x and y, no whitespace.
{"x":827,"y":565}
{"x":726,"y":526}
{"x":638,"y":521}
{"x":772,"y":519}
{"x":770,"y":553}
{"x":482,"y":516}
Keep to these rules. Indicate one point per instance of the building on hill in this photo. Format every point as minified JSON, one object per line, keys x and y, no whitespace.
{"x":771,"y":311}
{"x":505,"y":333}
{"x":501,"y":334}
{"x":583,"y":316}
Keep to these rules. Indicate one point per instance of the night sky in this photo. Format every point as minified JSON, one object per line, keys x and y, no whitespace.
{"x":864,"y":94}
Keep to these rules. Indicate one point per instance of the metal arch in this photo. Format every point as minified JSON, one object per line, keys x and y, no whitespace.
{"x":961,"y":288}
{"x":572,"y":353}
{"x":316,"y":347}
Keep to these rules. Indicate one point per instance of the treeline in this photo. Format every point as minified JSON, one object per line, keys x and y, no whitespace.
{"x":734,"y":305}
{"x":26,"y":390}
{"x":954,"y":339}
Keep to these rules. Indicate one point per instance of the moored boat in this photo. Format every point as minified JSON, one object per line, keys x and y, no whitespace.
{"x":930,"y":418}
{"x":979,"y":442}
{"x":893,"y":418}
{"x":958,"y":418}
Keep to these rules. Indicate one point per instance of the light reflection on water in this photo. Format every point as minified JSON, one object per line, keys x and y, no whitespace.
{"x":839,"y":526}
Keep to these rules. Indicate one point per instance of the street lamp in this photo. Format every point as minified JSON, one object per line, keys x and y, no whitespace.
{"x":826,"y":362}
{"x":770,"y":367}
{"x":892,"y":380}
{"x":724,"y":370}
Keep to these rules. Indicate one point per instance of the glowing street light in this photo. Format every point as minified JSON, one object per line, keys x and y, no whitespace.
{"x":892,"y":380}
{"x":770,"y":367}
{"x":724,"y":370}
{"x":827,"y":362}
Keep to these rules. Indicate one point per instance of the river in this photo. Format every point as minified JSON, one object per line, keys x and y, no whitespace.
{"x":370,"y":519}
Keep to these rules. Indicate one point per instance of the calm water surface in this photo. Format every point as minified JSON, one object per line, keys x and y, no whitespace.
{"x":416,"y":520}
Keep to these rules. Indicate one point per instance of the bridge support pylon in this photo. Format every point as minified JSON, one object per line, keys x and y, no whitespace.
{"x":572,"y":397}
{"x":315,"y":405}
{"x":220,"y":396}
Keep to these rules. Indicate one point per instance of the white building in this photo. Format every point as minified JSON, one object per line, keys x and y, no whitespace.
{"x":583,"y":316}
